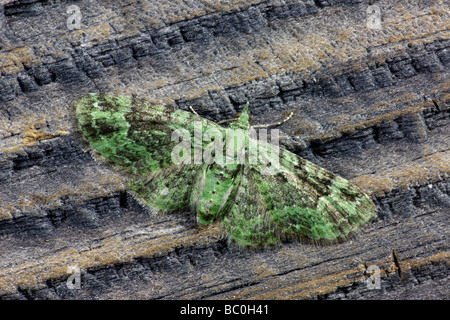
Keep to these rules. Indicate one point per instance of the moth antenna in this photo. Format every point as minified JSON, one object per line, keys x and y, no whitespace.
{"x":275,"y":123}
{"x":193,"y":111}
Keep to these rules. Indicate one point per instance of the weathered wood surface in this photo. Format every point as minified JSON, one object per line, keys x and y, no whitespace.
{"x":371,"y":105}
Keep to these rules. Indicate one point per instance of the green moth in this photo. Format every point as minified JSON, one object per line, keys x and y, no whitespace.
{"x":260,"y":194}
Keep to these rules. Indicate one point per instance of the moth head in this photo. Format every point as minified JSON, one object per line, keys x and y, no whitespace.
{"x":242,"y":120}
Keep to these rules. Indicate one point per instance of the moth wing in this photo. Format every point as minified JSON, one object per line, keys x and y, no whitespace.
{"x":310,"y":203}
{"x":137,"y":135}
{"x":168,"y":190}
{"x":245,"y":217}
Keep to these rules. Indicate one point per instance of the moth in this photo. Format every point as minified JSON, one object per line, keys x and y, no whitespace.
{"x":257,"y":203}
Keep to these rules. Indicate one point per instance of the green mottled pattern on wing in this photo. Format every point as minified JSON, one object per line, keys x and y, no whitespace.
{"x":131,"y":133}
{"x":308,"y":202}
{"x":298,"y":201}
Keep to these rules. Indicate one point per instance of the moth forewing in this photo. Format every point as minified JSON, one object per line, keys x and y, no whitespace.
{"x":252,"y":146}
{"x":181,"y":153}
{"x":213,"y":152}
{"x":198,"y":142}
{"x":269,"y":153}
{"x":235,"y":146}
